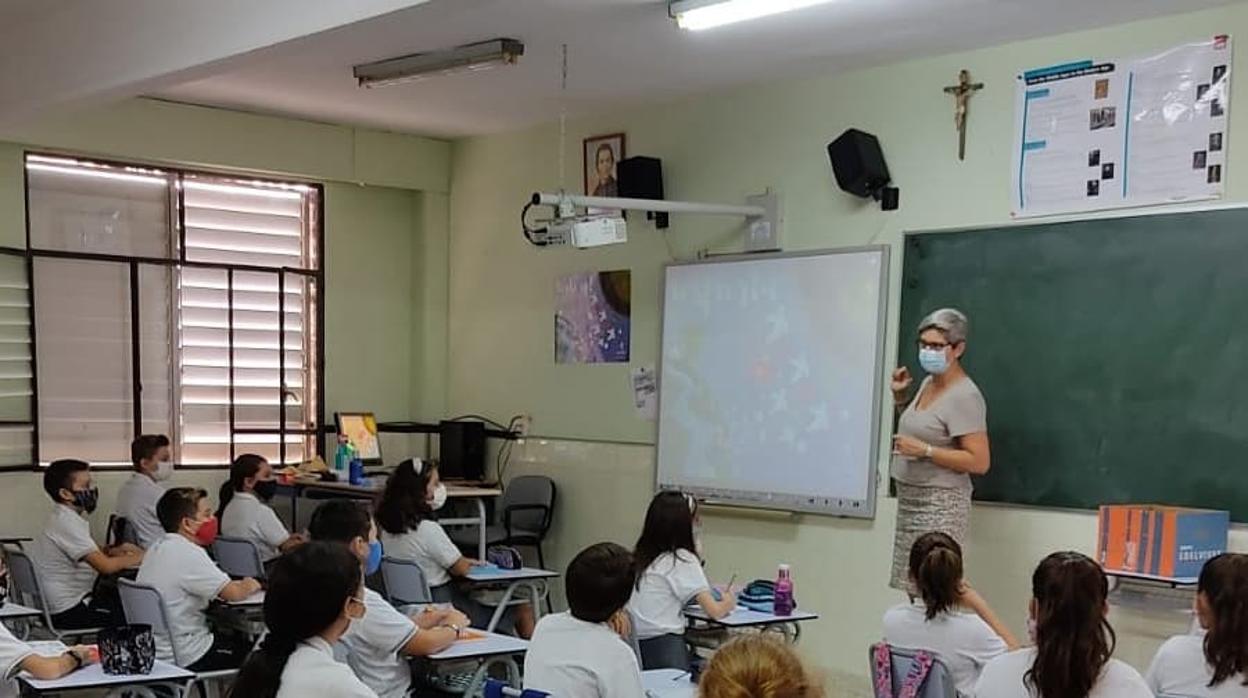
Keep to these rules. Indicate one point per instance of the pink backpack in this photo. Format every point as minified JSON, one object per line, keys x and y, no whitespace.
{"x":882,"y":668}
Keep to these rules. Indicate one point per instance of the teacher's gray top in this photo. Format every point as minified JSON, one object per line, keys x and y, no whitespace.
{"x":958,"y":411}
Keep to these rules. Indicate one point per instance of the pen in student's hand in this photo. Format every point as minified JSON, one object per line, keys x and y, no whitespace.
{"x":731,"y":580}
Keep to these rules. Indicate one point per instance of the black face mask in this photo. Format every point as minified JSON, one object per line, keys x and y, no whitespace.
{"x":87,"y":500}
{"x":265,"y":489}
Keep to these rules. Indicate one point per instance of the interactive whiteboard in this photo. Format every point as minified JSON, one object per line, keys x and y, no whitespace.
{"x":770,"y":381}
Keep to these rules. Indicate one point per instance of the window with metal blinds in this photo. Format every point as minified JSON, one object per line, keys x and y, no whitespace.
{"x":163,"y":301}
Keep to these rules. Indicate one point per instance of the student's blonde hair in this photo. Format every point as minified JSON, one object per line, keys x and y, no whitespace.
{"x":757,"y":666}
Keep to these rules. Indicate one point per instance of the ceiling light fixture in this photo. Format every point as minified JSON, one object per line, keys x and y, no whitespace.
{"x":421,"y":66}
{"x":708,"y":14}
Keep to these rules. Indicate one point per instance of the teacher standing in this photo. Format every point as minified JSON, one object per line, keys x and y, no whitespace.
{"x":942,"y":439}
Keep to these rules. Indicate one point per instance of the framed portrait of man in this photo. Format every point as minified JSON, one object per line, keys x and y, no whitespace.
{"x":602,"y":155}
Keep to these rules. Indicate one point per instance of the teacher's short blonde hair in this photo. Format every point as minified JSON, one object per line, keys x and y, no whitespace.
{"x":950,"y":321}
{"x":757,"y":666}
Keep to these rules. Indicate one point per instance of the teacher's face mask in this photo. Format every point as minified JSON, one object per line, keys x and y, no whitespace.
{"x":934,"y":361}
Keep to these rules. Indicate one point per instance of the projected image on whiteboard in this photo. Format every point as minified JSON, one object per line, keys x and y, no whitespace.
{"x":770,"y":379}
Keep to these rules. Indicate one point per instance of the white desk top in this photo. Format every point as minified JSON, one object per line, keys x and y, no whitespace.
{"x":256,"y":599}
{"x":743,"y":617}
{"x":490,"y":645}
{"x":94,"y":677}
{"x":497,"y":574}
{"x":668,"y":683}
{"x":375,"y":486}
{"x":12,"y":610}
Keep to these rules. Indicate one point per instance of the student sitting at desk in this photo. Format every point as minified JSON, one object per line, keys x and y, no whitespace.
{"x":669,"y":577}
{"x":188,"y":581}
{"x":378,"y":646}
{"x":316,"y":593}
{"x":1073,"y":656}
{"x":67,"y":559}
{"x":757,"y":666}
{"x":938,"y":623}
{"x":136,"y":502}
{"x":17,"y":656}
{"x":244,"y":512}
{"x":409,"y":531}
{"x":579,"y":653}
{"x":1213,"y":664}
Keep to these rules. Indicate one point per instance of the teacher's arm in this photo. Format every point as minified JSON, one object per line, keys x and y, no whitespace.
{"x":972,"y":455}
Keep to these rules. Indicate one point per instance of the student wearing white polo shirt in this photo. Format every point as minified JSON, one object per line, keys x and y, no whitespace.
{"x":579,"y":653}
{"x":188,"y":581}
{"x":1213,"y":664}
{"x":1073,"y":656}
{"x":315,"y":594}
{"x":17,"y":656}
{"x":410,"y":531}
{"x":66,"y":558}
{"x":950,"y":619}
{"x":245,"y":513}
{"x":378,"y":646}
{"x":136,"y":502}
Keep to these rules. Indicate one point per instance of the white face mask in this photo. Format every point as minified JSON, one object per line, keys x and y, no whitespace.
{"x":164,"y":471}
{"x":439,"y":497}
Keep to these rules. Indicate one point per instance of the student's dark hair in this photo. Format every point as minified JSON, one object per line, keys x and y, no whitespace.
{"x":1074,"y":641}
{"x":340,"y":521}
{"x":936,"y":566}
{"x":599,"y":581}
{"x":403,"y":506}
{"x":308,"y":588}
{"x":60,"y":475}
{"x":176,"y":504}
{"x":1224,"y":584}
{"x":244,"y":466}
{"x":145,"y":447}
{"x":668,"y":529}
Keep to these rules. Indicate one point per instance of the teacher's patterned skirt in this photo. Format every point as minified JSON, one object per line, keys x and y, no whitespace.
{"x":923,"y":510}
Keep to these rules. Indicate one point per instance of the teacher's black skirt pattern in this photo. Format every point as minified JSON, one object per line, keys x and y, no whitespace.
{"x":923,"y":510}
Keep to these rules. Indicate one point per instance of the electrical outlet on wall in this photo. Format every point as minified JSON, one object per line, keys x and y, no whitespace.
{"x":522,"y":424}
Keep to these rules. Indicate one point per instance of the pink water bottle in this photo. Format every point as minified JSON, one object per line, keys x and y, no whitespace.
{"x":784,"y":592}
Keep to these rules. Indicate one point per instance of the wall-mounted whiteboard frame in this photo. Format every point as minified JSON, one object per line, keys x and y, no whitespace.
{"x":853,"y":508}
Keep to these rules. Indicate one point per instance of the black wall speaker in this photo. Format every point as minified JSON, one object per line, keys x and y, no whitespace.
{"x":462,"y":450}
{"x":858,"y":164}
{"x":641,"y":177}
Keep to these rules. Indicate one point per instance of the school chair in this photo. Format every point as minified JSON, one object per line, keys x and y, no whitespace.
{"x":143,"y":605}
{"x":526,"y":511}
{"x":238,"y":558}
{"x":497,"y":689}
{"x":936,"y":683}
{"x":119,"y":531}
{"x":27,"y":591}
{"x":405,"y":582}
{"x":633,"y":641}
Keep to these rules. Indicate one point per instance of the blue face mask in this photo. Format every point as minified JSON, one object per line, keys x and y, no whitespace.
{"x":374,"y":558}
{"x":933,"y":361}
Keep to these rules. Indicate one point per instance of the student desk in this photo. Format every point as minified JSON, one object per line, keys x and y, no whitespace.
{"x":489,"y":651}
{"x":296,"y":488}
{"x":256,"y":600}
{"x":743,"y":617}
{"x":668,"y":683}
{"x":532,"y":578}
{"x":93,"y":677}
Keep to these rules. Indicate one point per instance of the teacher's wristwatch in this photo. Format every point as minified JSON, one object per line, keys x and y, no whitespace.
{"x":928,"y":453}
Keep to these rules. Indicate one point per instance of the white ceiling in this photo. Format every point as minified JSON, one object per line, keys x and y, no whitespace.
{"x":622,"y":52}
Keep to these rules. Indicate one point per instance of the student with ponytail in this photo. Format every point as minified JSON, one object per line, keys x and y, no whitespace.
{"x":315,"y":593}
{"x":1214,"y":664}
{"x":245,"y":513}
{"x":950,"y":618}
{"x":1074,"y":642}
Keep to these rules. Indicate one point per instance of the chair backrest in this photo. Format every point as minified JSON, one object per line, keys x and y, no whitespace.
{"x":528,"y":502}
{"x":405,"y":582}
{"x":143,"y":605}
{"x":238,"y":557}
{"x":22,"y":577}
{"x":633,"y":641}
{"x":120,"y":531}
{"x":939,"y":682}
{"x":497,"y":689}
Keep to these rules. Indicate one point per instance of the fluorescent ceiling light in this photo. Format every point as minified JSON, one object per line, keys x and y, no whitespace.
{"x":419,"y":66}
{"x":707,"y":14}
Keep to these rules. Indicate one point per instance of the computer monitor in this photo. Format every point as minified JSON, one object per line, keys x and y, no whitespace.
{"x":360,"y":429}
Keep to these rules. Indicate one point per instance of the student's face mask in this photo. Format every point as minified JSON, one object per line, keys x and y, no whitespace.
{"x":374,"y":558}
{"x":164,"y":471}
{"x":438,"y":500}
{"x":266,"y":489}
{"x":87,"y":499}
{"x":355,"y":604}
{"x":206,"y":534}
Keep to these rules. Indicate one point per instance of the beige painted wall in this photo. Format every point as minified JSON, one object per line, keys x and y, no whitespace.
{"x":722,"y":147}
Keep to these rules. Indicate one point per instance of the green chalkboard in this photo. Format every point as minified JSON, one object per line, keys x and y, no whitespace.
{"x":1113,"y":354}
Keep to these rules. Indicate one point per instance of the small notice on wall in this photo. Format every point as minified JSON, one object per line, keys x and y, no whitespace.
{"x":645,"y":392}
{"x":1099,"y":134}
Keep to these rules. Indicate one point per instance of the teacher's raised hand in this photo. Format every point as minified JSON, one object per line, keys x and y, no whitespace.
{"x":902,"y":380}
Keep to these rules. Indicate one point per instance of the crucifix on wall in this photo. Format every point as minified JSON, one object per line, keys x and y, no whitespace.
{"x":962,"y":93}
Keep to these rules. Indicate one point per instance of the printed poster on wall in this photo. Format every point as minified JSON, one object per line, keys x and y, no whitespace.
{"x":592,"y":323}
{"x":1100,"y":134}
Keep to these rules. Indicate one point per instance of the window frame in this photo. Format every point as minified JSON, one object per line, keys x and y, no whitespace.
{"x":315,"y":278}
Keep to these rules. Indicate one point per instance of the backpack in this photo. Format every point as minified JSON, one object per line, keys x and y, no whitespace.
{"x":882,"y":670}
{"x":504,"y":557}
{"x":760,"y":595}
